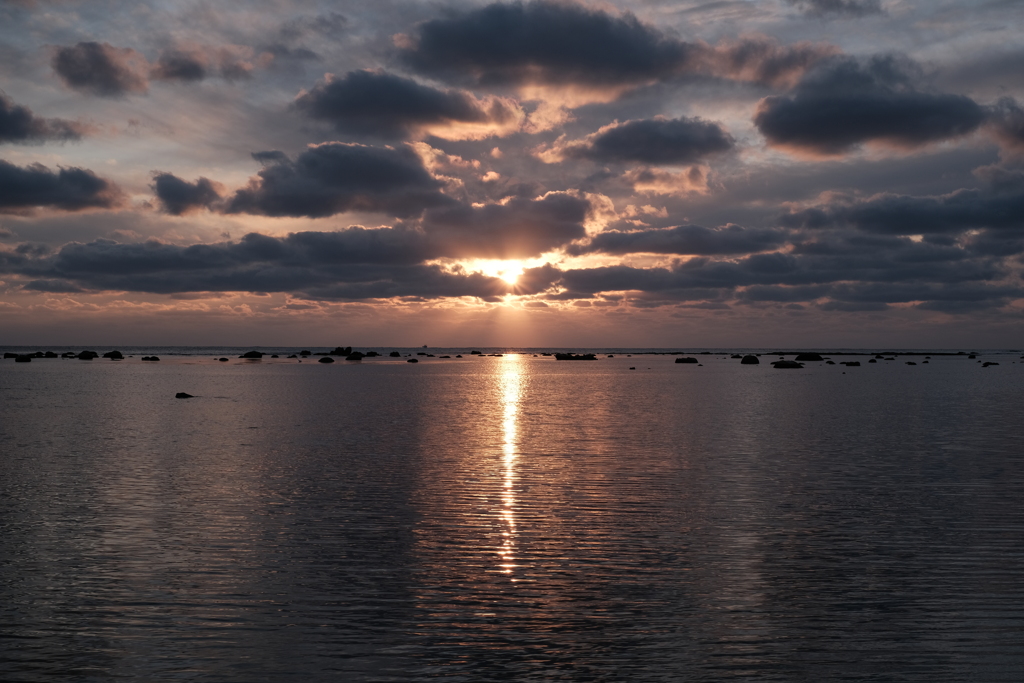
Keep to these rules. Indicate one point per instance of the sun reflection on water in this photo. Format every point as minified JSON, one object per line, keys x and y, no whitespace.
{"x":511,"y":388}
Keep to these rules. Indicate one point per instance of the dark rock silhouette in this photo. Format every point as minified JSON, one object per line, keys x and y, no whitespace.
{"x":750,"y":360}
{"x":395,"y":354}
{"x":69,"y":354}
{"x":150,"y":358}
{"x":275,"y":356}
{"x":412,"y":360}
{"x":252,"y":355}
{"x":113,"y":355}
{"x":445,"y":356}
{"x":735,"y":355}
{"x":474,"y":353}
{"x":88,"y":355}
{"x":853,"y":363}
{"x":50,"y":354}
{"x":355,"y":355}
{"x":787,"y":365}
{"x":985,"y":365}
{"x":611,"y":356}
{"x":575,"y":356}
{"x":873,"y":361}
{"x":182,"y":394}
{"x":632,"y":368}
{"x":305,"y":353}
{"x":24,"y":358}
{"x":326,"y":359}
{"x":293,"y":356}
{"x":339,"y":351}
{"x":223,"y":360}
{"x":972,"y":356}
{"x":371,"y":354}
{"x":808,"y":357}
{"x":910,"y":362}
{"x":686,"y":360}
{"x":9,"y":355}
{"x":458,"y":355}
{"x":828,"y":362}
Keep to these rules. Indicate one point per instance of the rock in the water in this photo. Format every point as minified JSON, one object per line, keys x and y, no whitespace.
{"x":474,"y":353}
{"x":223,"y":360}
{"x":69,"y":354}
{"x":735,"y":356}
{"x":88,"y":355}
{"x":853,"y":363}
{"x":151,"y":358}
{"x":412,"y":360}
{"x":326,"y":359}
{"x":808,"y":357}
{"x":305,"y":353}
{"x":371,"y":354}
{"x":972,"y":356}
{"x":787,"y":365}
{"x":182,"y":394}
{"x":355,"y":355}
{"x":569,"y":356}
{"x":873,"y":361}
{"x":293,"y":356}
{"x":9,"y":355}
{"x":985,"y":365}
{"x":458,"y":355}
{"x":686,"y":360}
{"x":50,"y":354}
{"x":275,"y":356}
{"x":395,"y":354}
{"x":339,"y":351}
{"x":113,"y":355}
{"x":750,"y":360}
{"x":24,"y":358}
{"x":910,"y":362}
{"x":252,"y":355}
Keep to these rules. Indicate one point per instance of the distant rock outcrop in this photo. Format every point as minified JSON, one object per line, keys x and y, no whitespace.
{"x":151,"y":358}
{"x":686,"y":360}
{"x":395,"y":354}
{"x":355,"y":355}
{"x":574,"y":356}
{"x":339,"y":351}
{"x":750,"y":360}
{"x":88,"y":355}
{"x":326,"y":359}
{"x":252,"y":355}
{"x":808,"y":357}
{"x":114,"y":355}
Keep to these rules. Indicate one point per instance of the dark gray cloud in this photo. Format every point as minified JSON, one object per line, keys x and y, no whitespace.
{"x":846,"y":102}
{"x":684,"y":239}
{"x":653,"y":141}
{"x":101,"y":69}
{"x":201,"y":63}
{"x":850,"y":8}
{"x":518,"y":228}
{"x":70,"y":189}
{"x":335,"y":177}
{"x":389,"y":106}
{"x":19,"y":124}
{"x":560,"y":43}
{"x":179,"y":196}
{"x":910,"y":215}
{"x":1007,"y":122}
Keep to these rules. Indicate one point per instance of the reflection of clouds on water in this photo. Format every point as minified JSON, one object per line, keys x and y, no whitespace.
{"x":511,"y":387}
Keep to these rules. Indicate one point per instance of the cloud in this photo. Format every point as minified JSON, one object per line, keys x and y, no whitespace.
{"x":179,"y":197}
{"x":101,"y":69}
{"x":649,"y":141}
{"x":388,"y":106}
{"x":1007,"y":122}
{"x":336,"y":177}
{"x":569,"y":46}
{"x":70,"y":189}
{"x":847,"y":102}
{"x":18,"y":124}
{"x":850,"y":8}
{"x":684,"y":239}
{"x":195,"y":63}
{"x":516,"y":228}
{"x":895,"y":214}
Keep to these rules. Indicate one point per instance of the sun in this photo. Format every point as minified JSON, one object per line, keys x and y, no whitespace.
{"x":508,"y":270}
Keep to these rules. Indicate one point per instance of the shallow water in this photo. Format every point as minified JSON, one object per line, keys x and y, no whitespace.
{"x":511,"y":518}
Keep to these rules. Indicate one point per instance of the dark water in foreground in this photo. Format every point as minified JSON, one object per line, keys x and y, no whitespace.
{"x":511,"y":518}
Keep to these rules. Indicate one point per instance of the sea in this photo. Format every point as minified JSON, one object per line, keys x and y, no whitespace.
{"x":506,"y":516}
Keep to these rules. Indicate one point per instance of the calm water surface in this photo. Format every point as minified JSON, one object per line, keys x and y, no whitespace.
{"x":511,"y":518}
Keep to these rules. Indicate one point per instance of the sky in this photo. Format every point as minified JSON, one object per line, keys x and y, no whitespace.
{"x":629,"y":173}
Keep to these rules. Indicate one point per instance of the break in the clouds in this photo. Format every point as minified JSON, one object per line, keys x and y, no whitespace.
{"x":381,"y":104}
{"x":846,"y":102}
{"x":651,"y":141}
{"x":19,"y":125}
{"x":336,"y":177}
{"x":68,"y":189}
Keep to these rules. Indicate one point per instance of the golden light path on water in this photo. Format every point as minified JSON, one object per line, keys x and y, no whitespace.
{"x":510,"y":385}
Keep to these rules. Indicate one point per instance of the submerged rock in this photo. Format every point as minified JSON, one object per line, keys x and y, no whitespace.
{"x":750,"y":360}
{"x":182,"y":394}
